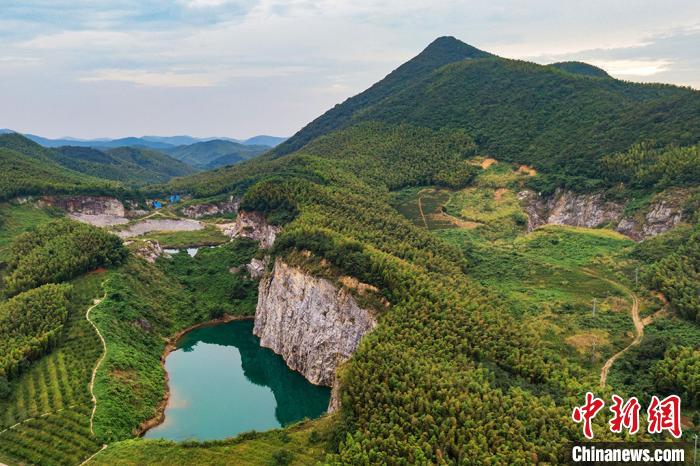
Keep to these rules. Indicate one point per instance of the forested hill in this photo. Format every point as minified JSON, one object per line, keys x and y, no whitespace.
{"x":584,"y":69}
{"x":28,"y":169}
{"x":440,"y":52}
{"x":554,"y":117}
{"x":128,"y":165}
{"x":24,"y":175}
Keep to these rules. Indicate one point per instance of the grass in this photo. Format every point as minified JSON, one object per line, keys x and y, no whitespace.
{"x":543,"y":277}
{"x":490,"y":206}
{"x":572,"y":246}
{"x":208,"y":236}
{"x":56,"y":384}
{"x":306,"y":443}
{"x":546,"y":277}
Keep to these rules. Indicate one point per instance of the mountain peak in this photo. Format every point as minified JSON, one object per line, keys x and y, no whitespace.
{"x":447,"y":49}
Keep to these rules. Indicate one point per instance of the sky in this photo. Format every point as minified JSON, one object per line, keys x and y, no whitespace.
{"x":238,"y":68}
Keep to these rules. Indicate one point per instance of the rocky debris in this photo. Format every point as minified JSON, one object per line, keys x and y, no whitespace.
{"x":257,"y":267}
{"x":204,"y":210}
{"x":592,"y":211}
{"x":254,"y":226}
{"x":149,"y":250}
{"x":314,"y":325}
{"x":134,"y":210}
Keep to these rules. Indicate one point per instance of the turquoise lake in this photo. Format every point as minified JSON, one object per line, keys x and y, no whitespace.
{"x":222,"y":383}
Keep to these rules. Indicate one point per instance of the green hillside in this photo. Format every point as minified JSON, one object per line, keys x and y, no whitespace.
{"x":485,"y":338}
{"x":456,"y":343}
{"x":26,"y":175}
{"x":558,"y":122}
{"x":583,"y":69}
{"x":442,"y":51}
{"x":130,"y":165}
{"x":215,"y":153}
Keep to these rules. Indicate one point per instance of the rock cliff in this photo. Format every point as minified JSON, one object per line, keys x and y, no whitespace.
{"x":313,"y":324}
{"x":254,"y":226}
{"x":95,"y":210}
{"x":149,"y":250}
{"x":593,"y":210}
{"x":204,"y":210}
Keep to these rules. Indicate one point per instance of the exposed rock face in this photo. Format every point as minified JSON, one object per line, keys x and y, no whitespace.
{"x":254,"y":226}
{"x":567,"y":208}
{"x":257,"y":267}
{"x":661,"y":217}
{"x":89,"y":205}
{"x":311,"y":323}
{"x":95,"y":210}
{"x":334,"y":403}
{"x":592,"y":210}
{"x":149,"y":250}
{"x":204,"y":210}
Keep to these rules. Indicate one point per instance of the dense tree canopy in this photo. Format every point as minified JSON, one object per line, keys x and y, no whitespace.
{"x":58,"y":251}
{"x":30,"y":325}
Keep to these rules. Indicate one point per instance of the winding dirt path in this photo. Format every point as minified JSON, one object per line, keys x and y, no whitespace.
{"x":94,"y":455}
{"x":458,"y":222}
{"x":99,"y":361}
{"x":420,"y":208}
{"x":638,"y":328}
{"x":638,"y":324}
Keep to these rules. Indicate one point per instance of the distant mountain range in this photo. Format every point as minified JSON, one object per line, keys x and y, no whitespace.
{"x":56,"y":169}
{"x":151,"y":142}
{"x":207,"y":155}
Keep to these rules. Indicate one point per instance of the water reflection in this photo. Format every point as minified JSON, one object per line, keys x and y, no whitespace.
{"x":223,"y":383}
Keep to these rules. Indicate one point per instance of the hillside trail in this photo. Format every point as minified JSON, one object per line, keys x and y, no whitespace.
{"x":638,"y":324}
{"x":92,"y":382}
{"x":422,"y":215}
{"x":460,"y":223}
{"x":96,"y":302}
{"x":639,"y":330}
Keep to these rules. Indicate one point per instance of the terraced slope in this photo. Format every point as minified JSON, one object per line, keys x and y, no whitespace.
{"x":46,"y":420}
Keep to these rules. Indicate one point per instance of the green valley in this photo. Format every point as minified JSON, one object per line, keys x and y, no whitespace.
{"x":458,"y":254}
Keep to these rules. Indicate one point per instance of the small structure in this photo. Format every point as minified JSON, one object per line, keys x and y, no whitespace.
{"x":156,"y":204}
{"x":174,"y":198}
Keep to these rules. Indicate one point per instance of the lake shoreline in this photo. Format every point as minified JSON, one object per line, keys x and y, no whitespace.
{"x":171,"y":344}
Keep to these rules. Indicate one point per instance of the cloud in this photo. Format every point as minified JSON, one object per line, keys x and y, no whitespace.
{"x":633,"y":67}
{"x":670,"y":56}
{"x":147,"y":78}
{"x":203,"y":3}
{"x":242,"y":67}
{"x":180,"y":78}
